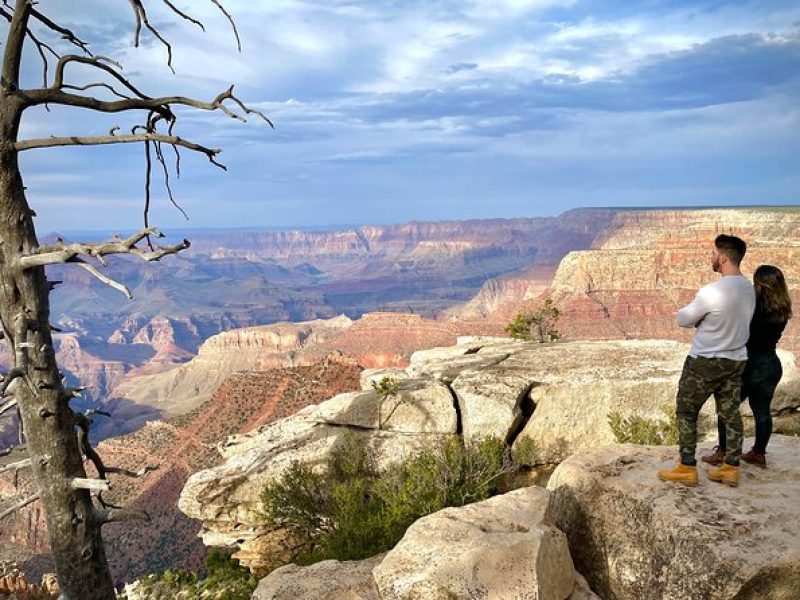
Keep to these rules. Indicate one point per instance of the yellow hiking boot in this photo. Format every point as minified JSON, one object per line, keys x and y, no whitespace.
{"x":685,"y":474}
{"x":727,"y":474}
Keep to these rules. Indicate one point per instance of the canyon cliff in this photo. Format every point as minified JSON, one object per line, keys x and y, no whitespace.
{"x":232,"y":279}
{"x":374,"y":340}
{"x":646,"y":264}
{"x":178,"y":447}
{"x":556,"y":398}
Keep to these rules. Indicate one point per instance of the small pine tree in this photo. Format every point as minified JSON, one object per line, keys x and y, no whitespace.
{"x":539,"y":325}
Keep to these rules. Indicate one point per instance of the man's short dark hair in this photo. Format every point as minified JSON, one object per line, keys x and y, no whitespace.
{"x":732,"y":247}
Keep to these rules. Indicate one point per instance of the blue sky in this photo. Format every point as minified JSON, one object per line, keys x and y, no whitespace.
{"x":394,"y":110}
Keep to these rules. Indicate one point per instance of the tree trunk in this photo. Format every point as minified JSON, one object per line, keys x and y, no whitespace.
{"x":47,"y":419}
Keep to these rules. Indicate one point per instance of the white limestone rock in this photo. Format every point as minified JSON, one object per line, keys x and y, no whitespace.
{"x":635,"y":537}
{"x":503,"y":547}
{"x":326,"y":580}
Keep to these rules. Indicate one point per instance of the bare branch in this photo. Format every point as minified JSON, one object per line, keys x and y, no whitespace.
{"x":160,"y":105}
{"x":15,"y":40}
{"x":132,"y":474}
{"x":182,"y":14}
{"x":160,"y":157}
{"x":102,"y":140}
{"x":231,"y":21}
{"x":15,"y":466}
{"x":40,"y":45}
{"x":21,"y":504}
{"x":84,"y":423}
{"x":82,"y":88}
{"x":49,"y":255}
{"x":104,"y":278}
{"x":66,"y":34}
{"x":102,"y":63}
{"x":141,"y":19}
{"x":148,"y":174}
{"x":95,"y":485}
{"x":119,"y":515}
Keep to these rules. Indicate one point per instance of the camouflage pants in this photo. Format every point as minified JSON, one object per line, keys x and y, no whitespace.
{"x":701,"y":378}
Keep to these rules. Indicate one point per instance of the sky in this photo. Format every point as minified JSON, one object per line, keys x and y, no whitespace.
{"x":388,"y":111}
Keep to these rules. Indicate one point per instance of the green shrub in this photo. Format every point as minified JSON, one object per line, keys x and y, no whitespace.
{"x":387,"y":386}
{"x":353,"y":511}
{"x":640,"y":430}
{"x":526,"y":452}
{"x":224,"y":580}
{"x":538,"y":325}
{"x":385,"y":389}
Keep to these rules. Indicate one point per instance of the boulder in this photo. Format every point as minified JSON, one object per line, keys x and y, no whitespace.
{"x":503,"y":547}
{"x":636,"y":537}
{"x":227,"y":498}
{"x":447,"y":369}
{"x":494,"y":401}
{"x":326,"y":580}
{"x":579,"y":384}
{"x":418,"y":407}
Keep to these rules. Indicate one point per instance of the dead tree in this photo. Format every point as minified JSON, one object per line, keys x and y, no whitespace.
{"x":55,"y":436}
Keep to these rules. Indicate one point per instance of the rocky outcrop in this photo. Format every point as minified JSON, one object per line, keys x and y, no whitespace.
{"x":555,"y":397}
{"x":375,"y":340}
{"x":326,"y":580}
{"x":186,"y":386}
{"x":14,"y":584}
{"x":635,"y":537}
{"x":503,"y":547}
{"x":179,"y":446}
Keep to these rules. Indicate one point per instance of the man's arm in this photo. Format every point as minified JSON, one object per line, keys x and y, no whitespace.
{"x":692,"y":314}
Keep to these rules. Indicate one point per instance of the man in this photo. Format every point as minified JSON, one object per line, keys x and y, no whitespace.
{"x":721,"y":312}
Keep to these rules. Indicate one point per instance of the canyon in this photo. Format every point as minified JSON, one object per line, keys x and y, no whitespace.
{"x":641,"y":269}
{"x":232,"y":279}
{"x":176,"y":447}
{"x":162,"y":369}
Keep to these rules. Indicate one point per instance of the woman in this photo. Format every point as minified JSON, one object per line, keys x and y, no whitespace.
{"x":763,"y":370}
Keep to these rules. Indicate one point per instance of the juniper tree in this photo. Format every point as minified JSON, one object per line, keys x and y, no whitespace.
{"x":55,"y":435}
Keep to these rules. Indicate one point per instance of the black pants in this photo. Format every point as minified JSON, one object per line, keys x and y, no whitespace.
{"x":760,"y":378}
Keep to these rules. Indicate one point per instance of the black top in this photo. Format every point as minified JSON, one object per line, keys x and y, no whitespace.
{"x":764,"y":335}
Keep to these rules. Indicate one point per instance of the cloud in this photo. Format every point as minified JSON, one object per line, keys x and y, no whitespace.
{"x":389,"y":110}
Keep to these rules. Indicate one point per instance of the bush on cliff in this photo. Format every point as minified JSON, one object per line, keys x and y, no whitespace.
{"x":538,"y":325}
{"x":648,"y":432}
{"x":353,"y":511}
{"x":224,"y":580}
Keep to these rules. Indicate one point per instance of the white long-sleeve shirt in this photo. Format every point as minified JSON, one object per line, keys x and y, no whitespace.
{"x":721,"y":311}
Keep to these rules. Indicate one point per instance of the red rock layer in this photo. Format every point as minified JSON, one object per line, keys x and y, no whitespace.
{"x":180,"y":447}
{"x":650,"y":263}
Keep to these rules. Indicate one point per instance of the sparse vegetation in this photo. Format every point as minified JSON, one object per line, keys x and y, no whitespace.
{"x":526,"y":452}
{"x":385,"y":389}
{"x":354,"y":511}
{"x":224,"y":580}
{"x":387,"y":386}
{"x":538,"y":325}
{"x":640,"y":430}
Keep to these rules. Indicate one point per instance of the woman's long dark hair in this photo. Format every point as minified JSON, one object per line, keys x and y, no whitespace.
{"x":772,"y":294}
